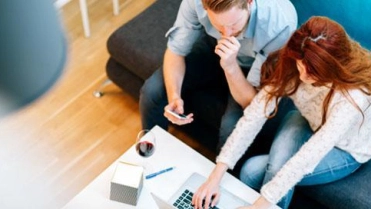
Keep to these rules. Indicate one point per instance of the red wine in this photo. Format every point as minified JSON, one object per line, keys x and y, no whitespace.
{"x":145,"y":148}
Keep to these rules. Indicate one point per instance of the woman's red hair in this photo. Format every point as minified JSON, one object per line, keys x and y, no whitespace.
{"x":329,"y":56}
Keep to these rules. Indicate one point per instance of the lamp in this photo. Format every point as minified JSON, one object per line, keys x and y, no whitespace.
{"x":32,"y":52}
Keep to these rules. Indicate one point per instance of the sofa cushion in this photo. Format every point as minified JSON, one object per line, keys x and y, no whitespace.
{"x":140,"y":44}
{"x":124,"y":78}
{"x":350,"y":192}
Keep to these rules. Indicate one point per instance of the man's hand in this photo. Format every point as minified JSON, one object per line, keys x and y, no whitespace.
{"x":177,"y":106}
{"x":241,"y":90}
{"x":227,"y":49}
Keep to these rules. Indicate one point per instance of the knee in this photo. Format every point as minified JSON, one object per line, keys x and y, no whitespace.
{"x":247,"y":175}
{"x":253,"y":171}
{"x":152,"y":89}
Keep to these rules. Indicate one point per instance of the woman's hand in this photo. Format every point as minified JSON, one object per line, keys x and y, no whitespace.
{"x":260,"y":203}
{"x":209,"y":193}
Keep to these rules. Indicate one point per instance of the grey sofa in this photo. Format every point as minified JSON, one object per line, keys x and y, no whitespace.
{"x":136,"y":51}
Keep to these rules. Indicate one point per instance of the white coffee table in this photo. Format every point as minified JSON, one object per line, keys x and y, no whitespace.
{"x":169,"y":152}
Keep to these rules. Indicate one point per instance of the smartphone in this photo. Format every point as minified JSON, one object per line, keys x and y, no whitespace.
{"x":177,"y":115}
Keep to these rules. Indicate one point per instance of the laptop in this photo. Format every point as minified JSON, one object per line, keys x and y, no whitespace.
{"x":182,"y":198}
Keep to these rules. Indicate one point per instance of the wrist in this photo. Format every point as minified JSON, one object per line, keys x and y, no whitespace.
{"x":174,"y":97}
{"x":218,"y":172}
{"x":231,"y":68}
{"x":262,"y":203}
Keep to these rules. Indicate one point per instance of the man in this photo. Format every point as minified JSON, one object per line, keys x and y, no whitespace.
{"x":215,"y":44}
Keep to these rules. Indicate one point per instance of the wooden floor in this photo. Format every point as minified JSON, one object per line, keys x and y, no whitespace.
{"x":53,"y":148}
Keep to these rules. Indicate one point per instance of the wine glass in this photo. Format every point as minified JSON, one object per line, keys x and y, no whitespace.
{"x":145,"y":146}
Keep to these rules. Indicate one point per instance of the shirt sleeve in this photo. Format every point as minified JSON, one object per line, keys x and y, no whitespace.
{"x":253,"y":77}
{"x":186,"y":29}
{"x":255,"y":115}
{"x":271,"y":45}
{"x":276,"y":21}
{"x":342,"y":117}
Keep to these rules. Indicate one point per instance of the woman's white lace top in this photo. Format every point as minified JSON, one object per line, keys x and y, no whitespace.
{"x":345,"y":128}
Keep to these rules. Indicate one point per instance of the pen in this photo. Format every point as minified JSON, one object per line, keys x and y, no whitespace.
{"x":149,"y":176}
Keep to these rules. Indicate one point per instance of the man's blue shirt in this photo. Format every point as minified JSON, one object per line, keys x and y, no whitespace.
{"x":270,"y":25}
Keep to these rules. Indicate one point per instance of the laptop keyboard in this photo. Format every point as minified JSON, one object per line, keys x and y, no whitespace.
{"x":184,"y":201}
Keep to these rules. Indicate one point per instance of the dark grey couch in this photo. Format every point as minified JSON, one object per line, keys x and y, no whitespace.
{"x":136,"y":51}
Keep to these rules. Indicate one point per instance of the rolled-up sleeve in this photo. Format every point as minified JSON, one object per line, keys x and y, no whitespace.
{"x":181,"y":39}
{"x":186,"y":29}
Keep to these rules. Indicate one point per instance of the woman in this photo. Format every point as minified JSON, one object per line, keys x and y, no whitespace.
{"x":328,"y":77}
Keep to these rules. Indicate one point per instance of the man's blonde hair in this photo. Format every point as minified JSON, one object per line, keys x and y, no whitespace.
{"x":224,"y":5}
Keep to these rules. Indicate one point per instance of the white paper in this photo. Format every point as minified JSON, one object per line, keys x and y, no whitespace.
{"x":128,"y":174}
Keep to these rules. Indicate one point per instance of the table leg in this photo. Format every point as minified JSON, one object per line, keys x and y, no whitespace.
{"x":85,"y":17}
{"x":116,"y":7}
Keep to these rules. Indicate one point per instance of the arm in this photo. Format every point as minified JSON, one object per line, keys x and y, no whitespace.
{"x":342,"y":118}
{"x":181,"y":38}
{"x":174,"y":70}
{"x":248,"y":126}
{"x":241,"y":90}
{"x":246,"y":130}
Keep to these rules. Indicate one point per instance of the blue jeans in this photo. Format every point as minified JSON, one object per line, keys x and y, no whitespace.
{"x":291,"y":135}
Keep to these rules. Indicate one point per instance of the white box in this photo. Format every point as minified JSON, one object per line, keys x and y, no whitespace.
{"x":127,"y":183}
